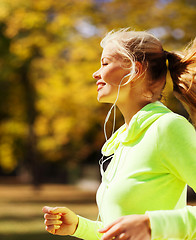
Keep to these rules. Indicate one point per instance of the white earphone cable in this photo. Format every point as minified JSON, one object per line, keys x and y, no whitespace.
{"x":113,"y":107}
{"x":102,"y":161}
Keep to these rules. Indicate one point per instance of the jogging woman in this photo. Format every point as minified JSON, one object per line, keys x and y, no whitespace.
{"x":153,"y":155}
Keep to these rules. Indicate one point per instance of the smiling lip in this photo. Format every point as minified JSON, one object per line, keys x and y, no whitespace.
{"x":100,"y":85}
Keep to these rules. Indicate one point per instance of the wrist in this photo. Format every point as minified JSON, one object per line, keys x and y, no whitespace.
{"x":77,"y":223}
{"x":147,"y":223}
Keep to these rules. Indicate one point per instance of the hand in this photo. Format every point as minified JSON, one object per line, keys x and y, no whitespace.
{"x":60,"y":220}
{"x":131,"y":227}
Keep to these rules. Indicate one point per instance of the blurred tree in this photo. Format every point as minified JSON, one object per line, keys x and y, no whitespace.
{"x":49,"y":50}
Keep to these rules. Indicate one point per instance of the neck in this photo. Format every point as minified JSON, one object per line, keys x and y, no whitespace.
{"x":129,"y":110}
{"x":132,"y":98}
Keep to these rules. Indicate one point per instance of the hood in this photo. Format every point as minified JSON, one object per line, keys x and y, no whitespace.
{"x":138,"y":124}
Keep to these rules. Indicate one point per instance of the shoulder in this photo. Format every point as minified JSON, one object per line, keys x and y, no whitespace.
{"x":172,"y":126}
{"x":173,"y":121}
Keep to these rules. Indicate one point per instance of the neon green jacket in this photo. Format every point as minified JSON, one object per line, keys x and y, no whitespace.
{"x":154,"y":160}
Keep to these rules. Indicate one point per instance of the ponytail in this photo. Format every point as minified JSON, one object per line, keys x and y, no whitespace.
{"x":183,"y":73}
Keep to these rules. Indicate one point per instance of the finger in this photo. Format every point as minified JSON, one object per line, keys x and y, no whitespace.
{"x":50,"y":229}
{"x":104,"y":230}
{"x":57,"y":210}
{"x":53,"y":222}
{"x":47,"y":209}
{"x":122,"y":236}
{"x":112,"y":232}
{"x":56,"y":227}
{"x":52,"y":216}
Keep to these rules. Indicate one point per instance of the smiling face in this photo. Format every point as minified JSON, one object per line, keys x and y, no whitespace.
{"x":110,"y":74}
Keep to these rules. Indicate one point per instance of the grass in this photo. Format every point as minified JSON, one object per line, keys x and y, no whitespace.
{"x":21,"y":216}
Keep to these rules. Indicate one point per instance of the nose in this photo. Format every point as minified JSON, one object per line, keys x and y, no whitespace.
{"x":96,"y":75}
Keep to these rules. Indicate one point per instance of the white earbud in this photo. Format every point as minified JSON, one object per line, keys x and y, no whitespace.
{"x":129,"y":74}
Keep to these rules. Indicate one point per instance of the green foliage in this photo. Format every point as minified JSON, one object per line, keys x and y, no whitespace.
{"x":49,"y":50}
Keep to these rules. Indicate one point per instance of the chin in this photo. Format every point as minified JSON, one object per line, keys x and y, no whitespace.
{"x":104,"y":99}
{"x":100,"y":99}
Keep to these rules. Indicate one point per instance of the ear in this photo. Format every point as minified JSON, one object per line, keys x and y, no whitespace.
{"x":139,"y":72}
{"x":138,"y":69}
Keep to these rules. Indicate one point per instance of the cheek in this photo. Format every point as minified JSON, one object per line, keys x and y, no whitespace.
{"x":113,"y":76}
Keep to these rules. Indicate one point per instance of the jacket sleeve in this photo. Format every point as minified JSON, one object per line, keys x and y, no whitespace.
{"x":88,"y":229}
{"x":177,"y":148}
{"x":177,"y":145}
{"x":177,"y":224}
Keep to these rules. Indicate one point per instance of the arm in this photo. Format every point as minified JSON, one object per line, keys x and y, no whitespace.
{"x":163,"y":224}
{"x":87,"y":229}
{"x":178,"y":146}
{"x":179,"y":223}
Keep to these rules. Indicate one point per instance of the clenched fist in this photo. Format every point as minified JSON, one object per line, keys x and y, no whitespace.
{"x":60,"y":220}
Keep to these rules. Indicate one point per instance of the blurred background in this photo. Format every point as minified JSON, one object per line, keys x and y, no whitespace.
{"x":51,"y":125}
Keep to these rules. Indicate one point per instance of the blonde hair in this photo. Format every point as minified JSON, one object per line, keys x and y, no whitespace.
{"x":140,"y":46}
{"x":182,"y":69}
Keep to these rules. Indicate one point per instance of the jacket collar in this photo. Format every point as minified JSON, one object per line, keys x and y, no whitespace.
{"x":138,"y":124}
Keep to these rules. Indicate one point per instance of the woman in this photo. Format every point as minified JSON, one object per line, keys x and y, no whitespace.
{"x":143,"y":191}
